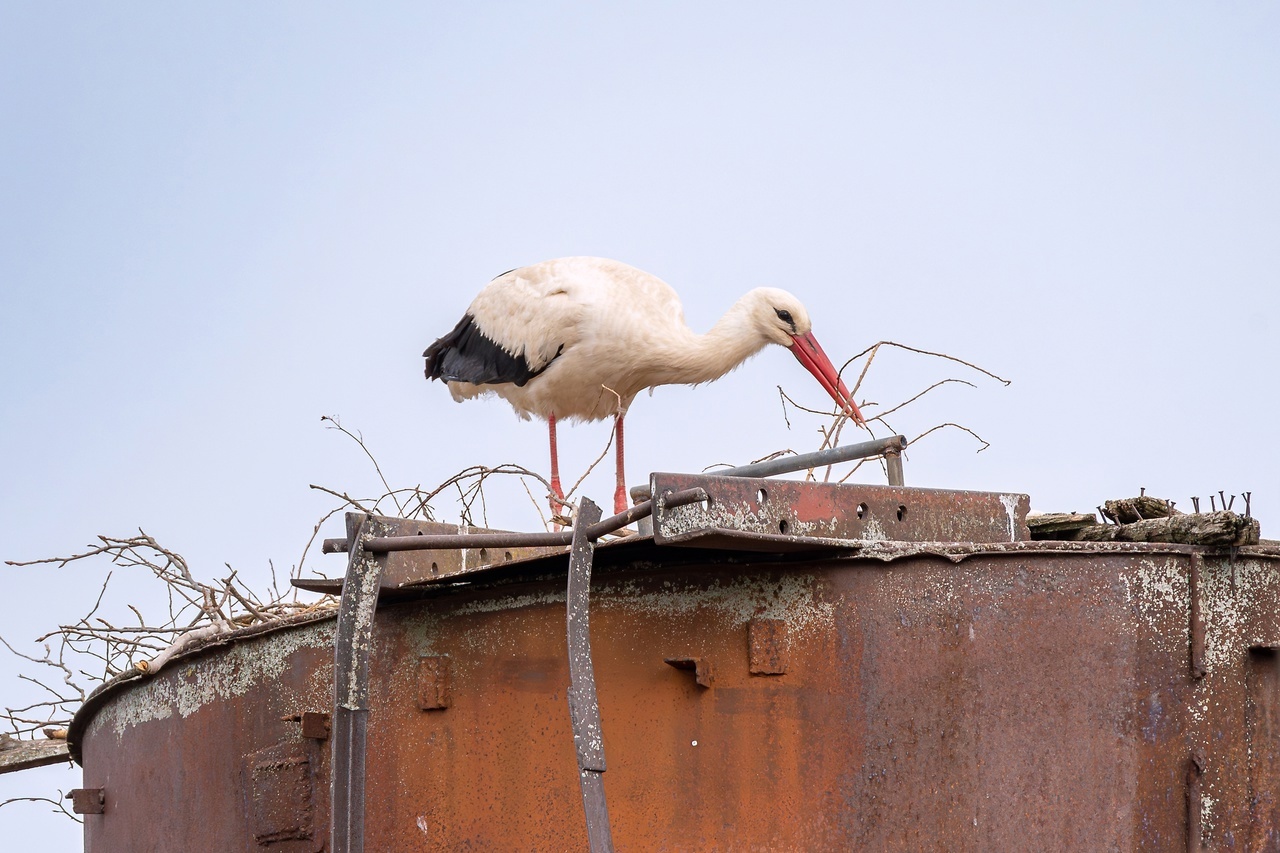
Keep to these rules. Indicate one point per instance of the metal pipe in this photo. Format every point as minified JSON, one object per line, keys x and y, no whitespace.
{"x":788,"y":464}
{"x":893,"y":467}
{"x":424,"y":542}
{"x":431,"y":541}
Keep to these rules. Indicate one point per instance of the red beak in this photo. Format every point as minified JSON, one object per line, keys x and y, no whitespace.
{"x":810,"y":354}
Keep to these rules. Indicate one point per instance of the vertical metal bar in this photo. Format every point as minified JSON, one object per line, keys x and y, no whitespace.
{"x":1198,"y":668}
{"x":1195,"y":804}
{"x":893,"y":462}
{"x":352,"y":645}
{"x":584,"y":710}
{"x":1262,"y":731}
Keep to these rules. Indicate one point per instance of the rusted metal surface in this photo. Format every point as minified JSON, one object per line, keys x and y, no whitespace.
{"x":891,"y":448}
{"x":87,"y":800}
{"x":768,"y":641}
{"x":433,"y":682}
{"x":316,"y":725}
{"x":282,"y":796}
{"x":936,"y":696}
{"x":1195,"y":804}
{"x":786,"y":515}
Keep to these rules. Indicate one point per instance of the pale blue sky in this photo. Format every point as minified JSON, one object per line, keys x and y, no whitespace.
{"x":218,"y":223}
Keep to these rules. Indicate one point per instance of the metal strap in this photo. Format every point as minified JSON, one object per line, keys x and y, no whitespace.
{"x":584,"y":710}
{"x":352,"y":645}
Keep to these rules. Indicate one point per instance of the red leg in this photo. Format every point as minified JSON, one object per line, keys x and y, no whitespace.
{"x":620,"y":494}
{"x":557,"y":501}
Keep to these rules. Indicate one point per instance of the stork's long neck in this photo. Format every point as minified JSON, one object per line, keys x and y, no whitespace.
{"x":692,"y":358}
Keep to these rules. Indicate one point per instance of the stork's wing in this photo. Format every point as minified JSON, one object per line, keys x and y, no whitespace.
{"x":513,"y":330}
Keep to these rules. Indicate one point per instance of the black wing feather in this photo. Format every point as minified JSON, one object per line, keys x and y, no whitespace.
{"x":466,"y":355}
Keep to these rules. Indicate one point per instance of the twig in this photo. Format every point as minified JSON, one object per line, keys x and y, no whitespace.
{"x":57,"y":804}
{"x":879,"y":344}
{"x":985,"y":443}
{"x":612,"y":435}
{"x":358,"y":439}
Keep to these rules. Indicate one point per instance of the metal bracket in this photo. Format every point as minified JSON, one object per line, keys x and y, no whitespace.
{"x":703,"y":672}
{"x":767,"y":641}
{"x":280,"y":782}
{"x":746,"y":514}
{"x":315,"y":725}
{"x":88,"y":800}
{"x":433,"y":682}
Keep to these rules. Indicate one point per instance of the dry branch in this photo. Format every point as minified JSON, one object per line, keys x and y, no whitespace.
{"x":832,"y":432}
{"x":196,"y":609}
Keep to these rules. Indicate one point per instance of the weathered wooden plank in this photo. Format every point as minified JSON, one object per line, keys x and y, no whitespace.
{"x":1214,"y":529}
{"x":1141,"y":508}
{"x":18,"y":755}
{"x":1055,"y":525}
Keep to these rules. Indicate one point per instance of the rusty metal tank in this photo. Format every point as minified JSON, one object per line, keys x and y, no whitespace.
{"x":886,"y":670}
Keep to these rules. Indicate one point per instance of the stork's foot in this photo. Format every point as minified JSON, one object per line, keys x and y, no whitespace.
{"x":559,"y":508}
{"x":619,"y":500}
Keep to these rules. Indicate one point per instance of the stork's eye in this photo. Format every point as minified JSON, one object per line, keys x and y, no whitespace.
{"x":784,"y":316}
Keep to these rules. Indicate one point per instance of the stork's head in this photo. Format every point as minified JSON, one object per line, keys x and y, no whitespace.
{"x":782,"y":319}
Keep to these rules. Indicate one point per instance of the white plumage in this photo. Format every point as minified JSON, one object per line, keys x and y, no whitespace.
{"x":579,"y":338}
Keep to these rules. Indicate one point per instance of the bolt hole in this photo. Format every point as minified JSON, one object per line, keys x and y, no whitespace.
{"x":762,"y":496}
{"x":862,"y":510}
{"x":506,"y":555}
{"x":484,"y":555}
{"x":902,"y":511}
{"x":434,"y":568}
{"x":783,"y":527}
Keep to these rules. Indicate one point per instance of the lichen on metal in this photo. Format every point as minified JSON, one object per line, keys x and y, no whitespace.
{"x":791,"y":597}
{"x":511,"y":602}
{"x":1230,"y":588}
{"x":361,"y":633}
{"x":194,"y":682}
{"x":1155,"y":586}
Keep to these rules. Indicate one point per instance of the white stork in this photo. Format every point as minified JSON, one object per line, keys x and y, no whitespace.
{"x":581,"y":337}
